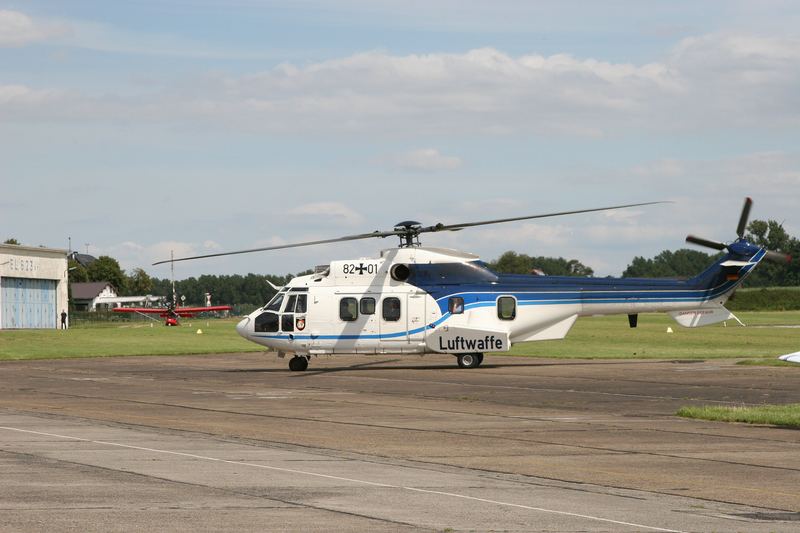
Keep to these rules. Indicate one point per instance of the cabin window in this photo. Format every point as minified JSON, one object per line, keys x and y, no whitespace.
{"x":266,"y":323}
{"x":302,"y":303}
{"x":455,"y":305}
{"x":348,"y":309}
{"x":290,"y":304}
{"x":391,"y":309}
{"x":367,"y":306}
{"x":275,"y":303}
{"x":506,"y":308}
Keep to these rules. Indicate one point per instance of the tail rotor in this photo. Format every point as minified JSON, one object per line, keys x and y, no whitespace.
{"x":748,"y":204}
{"x":777,"y":257}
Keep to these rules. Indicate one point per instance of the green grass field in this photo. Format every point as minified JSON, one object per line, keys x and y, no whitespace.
{"x":135,"y":338}
{"x":592,"y":338}
{"x":776,"y":415}
{"x":609,"y":337}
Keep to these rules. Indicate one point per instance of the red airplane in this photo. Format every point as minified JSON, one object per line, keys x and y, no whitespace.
{"x":172,"y":313}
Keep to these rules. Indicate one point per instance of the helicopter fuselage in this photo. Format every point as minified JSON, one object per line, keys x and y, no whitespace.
{"x":426,"y":300}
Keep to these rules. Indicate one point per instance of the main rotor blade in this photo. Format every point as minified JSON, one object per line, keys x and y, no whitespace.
{"x":293,"y":245}
{"x":403,"y":232}
{"x":748,"y":203}
{"x":705,"y":242}
{"x":456,"y":227}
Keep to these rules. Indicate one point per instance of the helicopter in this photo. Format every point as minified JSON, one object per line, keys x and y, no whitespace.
{"x":173,"y":312}
{"x":415,"y":300}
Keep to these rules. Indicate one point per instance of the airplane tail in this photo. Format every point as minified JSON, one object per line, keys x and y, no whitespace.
{"x":723,"y":277}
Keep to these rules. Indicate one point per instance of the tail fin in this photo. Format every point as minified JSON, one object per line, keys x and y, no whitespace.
{"x":727,"y":273}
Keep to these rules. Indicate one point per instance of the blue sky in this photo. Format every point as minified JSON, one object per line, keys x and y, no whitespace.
{"x":206,"y":125}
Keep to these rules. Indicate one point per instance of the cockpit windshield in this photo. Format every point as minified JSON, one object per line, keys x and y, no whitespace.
{"x":275,"y":303}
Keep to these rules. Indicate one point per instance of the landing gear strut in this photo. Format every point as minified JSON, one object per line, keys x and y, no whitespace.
{"x":298,"y":363}
{"x":469,"y":360}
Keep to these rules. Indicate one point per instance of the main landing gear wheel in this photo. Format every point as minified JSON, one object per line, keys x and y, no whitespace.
{"x":298,"y":364}
{"x":469,"y":360}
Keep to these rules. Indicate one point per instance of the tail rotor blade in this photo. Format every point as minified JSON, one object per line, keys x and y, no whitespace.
{"x":748,"y":203}
{"x":705,"y":242}
{"x":778,"y":257}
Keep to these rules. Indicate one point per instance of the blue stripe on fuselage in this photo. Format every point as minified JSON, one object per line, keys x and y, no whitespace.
{"x":554,"y":290}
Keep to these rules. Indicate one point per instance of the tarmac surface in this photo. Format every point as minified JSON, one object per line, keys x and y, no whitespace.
{"x":237,"y":442}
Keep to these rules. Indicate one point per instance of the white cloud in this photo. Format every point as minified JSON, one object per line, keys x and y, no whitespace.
{"x":21,"y":95}
{"x":663,"y":168}
{"x":714,"y":81}
{"x":332,"y":211}
{"x":627,"y":216}
{"x":272,"y":241}
{"x":638,"y":234}
{"x":134,"y":255}
{"x":18,"y":29}
{"x":426,"y":159}
{"x":525,"y":234}
{"x":496,"y":206}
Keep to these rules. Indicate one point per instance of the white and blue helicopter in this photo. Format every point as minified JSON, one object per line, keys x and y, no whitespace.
{"x":416,"y":300}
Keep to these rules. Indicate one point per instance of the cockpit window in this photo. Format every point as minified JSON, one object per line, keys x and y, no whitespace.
{"x":275,"y":303}
{"x":290,"y":304}
{"x":266,"y":323}
{"x":302,"y":304}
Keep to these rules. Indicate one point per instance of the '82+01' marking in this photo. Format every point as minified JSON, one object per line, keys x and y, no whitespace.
{"x":360,"y":269}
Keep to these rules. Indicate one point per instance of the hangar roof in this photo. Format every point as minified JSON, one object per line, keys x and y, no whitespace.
{"x":40,"y":250}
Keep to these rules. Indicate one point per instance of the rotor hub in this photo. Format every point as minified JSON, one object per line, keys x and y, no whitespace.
{"x":409,"y":233}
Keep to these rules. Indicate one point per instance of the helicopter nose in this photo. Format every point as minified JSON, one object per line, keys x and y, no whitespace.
{"x":241,"y":327}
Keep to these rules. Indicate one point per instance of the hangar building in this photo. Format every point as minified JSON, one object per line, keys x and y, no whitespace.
{"x":33,"y":286}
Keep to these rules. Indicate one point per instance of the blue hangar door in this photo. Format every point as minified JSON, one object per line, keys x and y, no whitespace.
{"x":28,"y":303}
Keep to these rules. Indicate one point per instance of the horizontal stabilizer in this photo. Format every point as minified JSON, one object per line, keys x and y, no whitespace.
{"x":447,"y":339}
{"x":791,"y":357}
{"x":732,"y":263}
{"x":694,"y":318}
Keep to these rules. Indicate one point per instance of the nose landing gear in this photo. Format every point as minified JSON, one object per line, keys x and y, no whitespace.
{"x":469,"y":360}
{"x":298,"y":363}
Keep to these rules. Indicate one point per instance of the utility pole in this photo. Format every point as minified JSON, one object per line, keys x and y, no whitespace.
{"x":172,"y":269}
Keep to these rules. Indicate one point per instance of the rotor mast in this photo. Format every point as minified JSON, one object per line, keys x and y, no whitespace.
{"x":408,"y":231}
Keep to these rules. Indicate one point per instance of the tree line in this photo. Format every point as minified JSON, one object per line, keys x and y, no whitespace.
{"x":683,"y":263}
{"x":251,"y":290}
{"x":254,"y":290}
